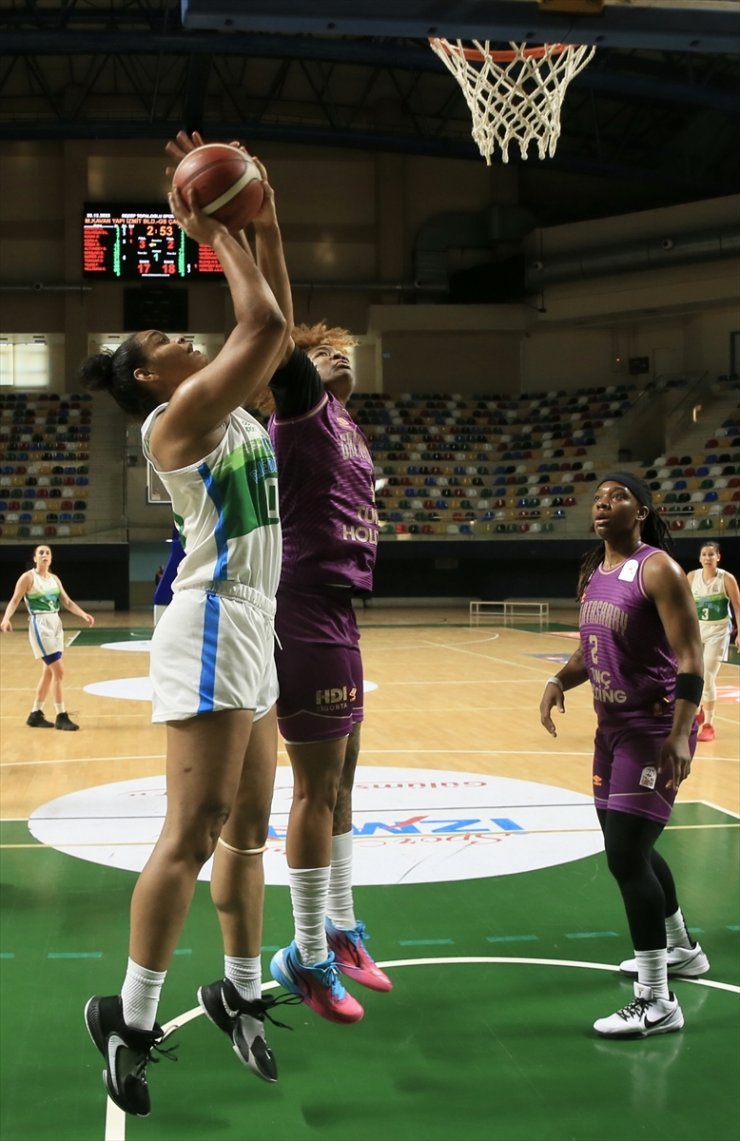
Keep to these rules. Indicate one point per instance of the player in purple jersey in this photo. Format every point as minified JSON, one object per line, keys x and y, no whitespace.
{"x":330,"y":537}
{"x":640,"y":648}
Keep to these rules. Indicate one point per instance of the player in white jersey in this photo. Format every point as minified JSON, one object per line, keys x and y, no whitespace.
{"x":212,"y":661}
{"x":715,"y":590}
{"x":330,"y":542}
{"x":43,"y":594}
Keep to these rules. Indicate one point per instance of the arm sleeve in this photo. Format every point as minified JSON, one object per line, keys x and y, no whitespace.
{"x":297,"y":386}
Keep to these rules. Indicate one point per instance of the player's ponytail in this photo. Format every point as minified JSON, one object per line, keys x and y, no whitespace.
{"x":114,"y":373}
{"x":655,"y":531}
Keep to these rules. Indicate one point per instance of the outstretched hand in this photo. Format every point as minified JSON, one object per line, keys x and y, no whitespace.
{"x":183,"y":144}
{"x":180,"y":146}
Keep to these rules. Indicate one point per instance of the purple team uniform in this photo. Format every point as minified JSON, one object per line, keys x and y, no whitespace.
{"x":632,"y":671}
{"x":330,"y":540}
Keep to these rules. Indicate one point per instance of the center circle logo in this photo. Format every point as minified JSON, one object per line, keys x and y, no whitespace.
{"x":410,"y":825}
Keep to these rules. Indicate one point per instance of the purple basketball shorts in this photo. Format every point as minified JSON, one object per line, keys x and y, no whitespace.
{"x":626,"y":755}
{"x":319,"y":666}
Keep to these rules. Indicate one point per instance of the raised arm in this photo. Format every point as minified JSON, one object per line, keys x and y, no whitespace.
{"x":268,"y":244}
{"x":199,"y":406}
{"x":268,"y":240}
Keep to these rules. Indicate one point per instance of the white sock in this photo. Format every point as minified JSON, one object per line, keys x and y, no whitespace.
{"x":60,"y":708}
{"x":652,"y":971}
{"x":308,"y":891}
{"x":37,"y":707}
{"x":677,"y":932}
{"x":140,"y":994}
{"x":340,"y":906}
{"x":245,"y":974}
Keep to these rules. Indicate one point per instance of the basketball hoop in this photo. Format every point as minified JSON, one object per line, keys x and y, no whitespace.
{"x":515,"y":94}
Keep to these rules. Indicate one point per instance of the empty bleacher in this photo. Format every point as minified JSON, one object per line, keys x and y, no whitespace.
{"x":485,"y":465}
{"x":447,"y":466}
{"x":697,"y":487}
{"x":44,"y":465}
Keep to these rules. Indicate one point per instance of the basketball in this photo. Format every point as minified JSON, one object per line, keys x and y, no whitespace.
{"x":226,"y":181}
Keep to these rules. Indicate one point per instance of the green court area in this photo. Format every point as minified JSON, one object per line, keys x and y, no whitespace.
{"x":99,"y":635}
{"x":486,"y":1035}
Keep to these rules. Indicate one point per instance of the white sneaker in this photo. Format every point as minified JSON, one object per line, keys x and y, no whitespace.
{"x":642,"y":1017}
{"x":683,"y":963}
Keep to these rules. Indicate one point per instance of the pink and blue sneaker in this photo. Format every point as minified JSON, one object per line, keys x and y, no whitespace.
{"x":352,"y":959}
{"x":318,"y":985}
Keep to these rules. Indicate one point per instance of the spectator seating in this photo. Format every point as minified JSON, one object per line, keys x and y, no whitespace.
{"x":446,"y":466}
{"x":44,"y":465}
{"x":483,"y":464}
{"x":701,"y":492}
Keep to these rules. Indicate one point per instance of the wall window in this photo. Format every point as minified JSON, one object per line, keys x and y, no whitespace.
{"x":25,"y":361}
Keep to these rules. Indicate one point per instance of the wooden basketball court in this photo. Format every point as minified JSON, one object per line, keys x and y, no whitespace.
{"x":497,"y":977}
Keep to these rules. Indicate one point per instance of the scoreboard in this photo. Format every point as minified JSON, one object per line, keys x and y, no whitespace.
{"x":140,"y":243}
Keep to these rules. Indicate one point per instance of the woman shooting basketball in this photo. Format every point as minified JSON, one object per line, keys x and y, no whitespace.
{"x":212,"y":662}
{"x":330,"y":534}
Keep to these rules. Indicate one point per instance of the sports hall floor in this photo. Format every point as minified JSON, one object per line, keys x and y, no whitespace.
{"x":482,"y":884}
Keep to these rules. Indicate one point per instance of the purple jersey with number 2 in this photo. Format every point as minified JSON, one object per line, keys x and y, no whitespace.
{"x":629,"y":661}
{"x":633,"y":677}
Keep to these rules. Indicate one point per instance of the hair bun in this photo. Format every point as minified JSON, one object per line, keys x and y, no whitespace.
{"x":96,"y":373}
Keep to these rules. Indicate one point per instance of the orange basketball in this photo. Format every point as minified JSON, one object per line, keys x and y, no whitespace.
{"x":226,"y":181}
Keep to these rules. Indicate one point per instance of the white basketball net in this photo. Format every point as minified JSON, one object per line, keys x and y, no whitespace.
{"x":517,"y":99}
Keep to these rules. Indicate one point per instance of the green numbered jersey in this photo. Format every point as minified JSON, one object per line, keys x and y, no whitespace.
{"x":712,"y":603}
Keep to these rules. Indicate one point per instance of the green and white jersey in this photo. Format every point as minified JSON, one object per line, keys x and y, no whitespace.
{"x":712,"y":603}
{"x":226,"y":508}
{"x":44,"y":595}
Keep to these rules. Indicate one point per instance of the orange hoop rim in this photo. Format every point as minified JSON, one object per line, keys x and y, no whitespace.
{"x":474,"y":55}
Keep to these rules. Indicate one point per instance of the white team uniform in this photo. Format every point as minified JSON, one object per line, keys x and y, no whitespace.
{"x":213,"y":649}
{"x":45,"y":631}
{"x":713,"y":608}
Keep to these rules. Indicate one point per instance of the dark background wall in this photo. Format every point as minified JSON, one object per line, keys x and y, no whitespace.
{"x":527,"y":568}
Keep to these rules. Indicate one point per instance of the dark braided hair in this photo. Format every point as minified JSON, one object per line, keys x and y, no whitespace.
{"x":114,"y":373}
{"x":653,"y":531}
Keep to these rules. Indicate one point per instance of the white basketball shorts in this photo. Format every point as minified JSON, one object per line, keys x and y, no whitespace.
{"x":211,"y":653}
{"x":46,"y":635}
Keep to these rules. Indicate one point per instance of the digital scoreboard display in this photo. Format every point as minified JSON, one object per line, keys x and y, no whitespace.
{"x":141,"y":243}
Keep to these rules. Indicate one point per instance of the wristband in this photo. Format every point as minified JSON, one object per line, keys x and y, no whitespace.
{"x":689,"y":687}
{"x":556,"y":681}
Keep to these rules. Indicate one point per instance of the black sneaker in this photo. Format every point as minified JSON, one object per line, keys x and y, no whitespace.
{"x":37,"y":720}
{"x":244,"y":1022}
{"x":127,"y":1053}
{"x":63,"y":722}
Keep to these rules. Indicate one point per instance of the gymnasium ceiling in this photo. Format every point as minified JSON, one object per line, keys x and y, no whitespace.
{"x":655,"y":115}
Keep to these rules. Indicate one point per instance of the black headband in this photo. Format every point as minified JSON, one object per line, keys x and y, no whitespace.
{"x":638,"y":487}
